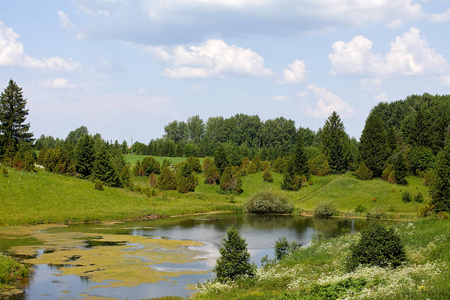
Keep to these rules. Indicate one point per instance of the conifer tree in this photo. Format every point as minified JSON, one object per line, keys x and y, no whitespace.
{"x":421,"y":133}
{"x":234,"y":260}
{"x":85,"y":155}
{"x":300,"y":165}
{"x":103,"y":168}
{"x":440,"y":189}
{"x":13,"y":129}
{"x":334,"y":143}
{"x":373,"y":145}
{"x":221,"y":158}
{"x":400,"y":169}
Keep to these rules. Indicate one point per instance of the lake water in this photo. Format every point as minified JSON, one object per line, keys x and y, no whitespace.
{"x":146,"y":259}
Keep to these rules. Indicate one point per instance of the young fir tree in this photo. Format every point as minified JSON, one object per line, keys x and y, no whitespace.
{"x":334,"y":143}
{"x":421,"y":133}
{"x":167,"y":180}
{"x":291,"y":180}
{"x":13,"y":129}
{"x":221,"y":158}
{"x":85,"y":155}
{"x":103,"y":168}
{"x":300,"y":165}
{"x":400,"y":169}
{"x":440,"y":188}
{"x":187,"y":180}
{"x":234,"y":260}
{"x":373,"y":145}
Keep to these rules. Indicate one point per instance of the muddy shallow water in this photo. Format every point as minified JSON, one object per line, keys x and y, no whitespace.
{"x":146,"y":259}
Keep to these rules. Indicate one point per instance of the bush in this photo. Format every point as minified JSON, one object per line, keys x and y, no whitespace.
{"x":148,"y":166}
{"x":211,"y":174}
{"x":267,"y":176}
{"x":279,"y":164}
{"x":377,"y":246}
{"x":325,"y":209}
{"x":406,"y":197}
{"x":360,"y":208}
{"x":98,"y":185}
{"x":152,"y":179}
{"x":11,"y":270}
{"x":418,"y":198}
{"x":167,"y":180}
{"x":429,"y":177}
{"x":319,"y":165}
{"x":363,"y":172}
{"x":194,"y":164}
{"x":267,"y":202}
{"x":230,"y":181}
{"x":234,"y":260}
{"x":5,"y":171}
{"x":387,"y":172}
{"x":421,"y":158}
{"x":283,"y":247}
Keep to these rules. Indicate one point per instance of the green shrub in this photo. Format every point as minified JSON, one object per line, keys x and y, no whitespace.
{"x":325,"y":209}
{"x":376,"y":213}
{"x":98,"y":185}
{"x":363,"y":172}
{"x":167,"y":180}
{"x":5,"y":171}
{"x":283,"y":247}
{"x":194,"y":164}
{"x":230,"y":181}
{"x":377,"y":246}
{"x":360,"y":208}
{"x":211,"y":174}
{"x":267,"y":202}
{"x":406,"y":196}
{"x":267,"y":176}
{"x":279,"y":164}
{"x":234,"y":260}
{"x":11,"y":270}
{"x":418,"y":198}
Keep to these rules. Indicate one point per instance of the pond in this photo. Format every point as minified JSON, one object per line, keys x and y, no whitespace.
{"x":145,"y":259}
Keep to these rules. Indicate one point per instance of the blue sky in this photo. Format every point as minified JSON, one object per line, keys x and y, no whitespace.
{"x":128,"y":67}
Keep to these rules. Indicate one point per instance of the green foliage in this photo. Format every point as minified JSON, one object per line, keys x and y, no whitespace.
{"x":207,"y":162}
{"x":148,"y":166}
{"x":325,"y":209}
{"x":187,"y":180}
{"x":5,"y":171}
{"x":221,"y":158}
{"x":211,"y":174}
{"x":194,"y":164}
{"x":291,"y":180}
{"x":279,"y":164}
{"x":13,"y":129}
{"x":11,"y":270}
{"x":373,"y":147}
{"x":85,"y":155}
{"x":377,"y":246}
{"x":283,"y":247}
{"x":254,"y":165}
{"x":103,"y":168}
{"x":267,"y":176}
{"x":28,"y":160}
{"x":167,"y":180}
{"x":363,"y":172}
{"x":420,"y":158}
{"x":230,"y":181}
{"x":234,"y":260}
{"x":360,"y":208}
{"x":336,"y":290}
{"x":440,"y":189}
{"x":418,"y":198}
{"x":319,"y":165}
{"x":268,"y":202}
{"x":400,"y":170}
{"x":299,"y":159}
{"x":56,"y":161}
{"x":334,"y":144}
{"x":406,"y":196}
{"x":98,"y":185}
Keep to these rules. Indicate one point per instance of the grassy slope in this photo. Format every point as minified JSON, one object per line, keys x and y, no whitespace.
{"x":315,"y":272}
{"x":45,"y":197}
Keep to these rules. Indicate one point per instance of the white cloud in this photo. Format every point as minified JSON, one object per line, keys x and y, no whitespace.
{"x":57,"y":83}
{"x":196,"y":87}
{"x":381,"y":97}
{"x":409,"y":54}
{"x":65,"y":21}
{"x":296,"y":72}
{"x":174,"y":21}
{"x":213,"y":58}
{"x":327,"y":103}
{"x":395,"y":24}
{"x":445,"y":80}
{"x":281,"y":98}
{"x":440,"y":17}
{"x":371,"y":84}
{"x":12,"y":53}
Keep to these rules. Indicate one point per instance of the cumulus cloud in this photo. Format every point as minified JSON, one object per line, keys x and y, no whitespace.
{"x":296,"y":72}
{"x":173,"y":21}
{"x":57,"y":83}
{"x":326,"y":103}
{"x":371,"y":84}
{"x":445,"y":80}
{"x":409,"y":54}
{"x":381,"y":97}
{"x":12,"y":53}
{"x":213,"y":58}
{"x":64,"y":20}
{"x":443,"y":17}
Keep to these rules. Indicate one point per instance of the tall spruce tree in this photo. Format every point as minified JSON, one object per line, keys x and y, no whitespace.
{"x":13,"y":129}
{"x":85,"y":155}
{"x":103,"y":168}
{"x":221,"y":158}
{"x":400,"y":169}
{"x":373,"y":146}
{"x":334,"y":143}
{"x":440,"y":189}
{"x":299,"y":157}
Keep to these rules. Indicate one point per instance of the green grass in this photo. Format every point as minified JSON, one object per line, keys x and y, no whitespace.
{"x":44,"y":197}
{"x":132,"y":159}
{"x":318,"y":272}
{"x":11,"y":271}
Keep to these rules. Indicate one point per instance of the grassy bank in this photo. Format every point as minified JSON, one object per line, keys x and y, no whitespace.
{"x":318,"y":272}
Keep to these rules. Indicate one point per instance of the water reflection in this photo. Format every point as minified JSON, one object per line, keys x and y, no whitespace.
{"x":260,"y":232}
